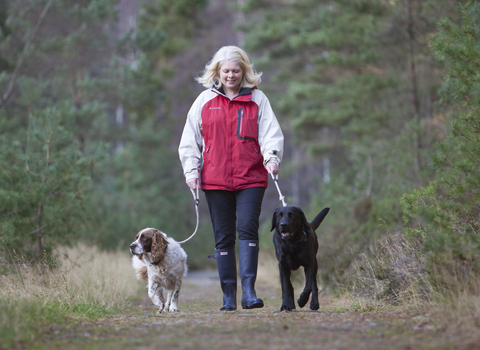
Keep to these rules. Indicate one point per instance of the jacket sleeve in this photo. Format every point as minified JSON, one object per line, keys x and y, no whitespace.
{"x":191,"y":143}
{"x":270,"y":136}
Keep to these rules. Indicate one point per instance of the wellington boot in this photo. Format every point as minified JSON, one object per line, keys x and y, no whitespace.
{"x":248,"y":261}
{"x":227,"y":272}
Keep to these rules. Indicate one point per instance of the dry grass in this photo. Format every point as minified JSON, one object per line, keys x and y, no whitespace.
{"x":87,"y":283}
{"x":268,"y":269}
{"x":392,"y":272}
{"x":84,"y":275}
{"x":460,"y":314}
{"x":90,"y":285}
{"x":396,"y":275}
{"x":457,"y":300}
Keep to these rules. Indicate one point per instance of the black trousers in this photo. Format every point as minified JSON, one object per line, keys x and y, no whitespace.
{"x":232,"y":211}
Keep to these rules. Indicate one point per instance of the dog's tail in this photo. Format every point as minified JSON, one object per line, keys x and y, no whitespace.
{"x":319,"y":218}
{"x":140,"y":268}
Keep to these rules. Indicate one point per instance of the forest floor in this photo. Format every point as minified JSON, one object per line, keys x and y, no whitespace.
{"x":201,"y":325}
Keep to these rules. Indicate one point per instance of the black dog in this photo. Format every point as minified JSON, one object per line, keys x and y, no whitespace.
{"x":296,"y":245}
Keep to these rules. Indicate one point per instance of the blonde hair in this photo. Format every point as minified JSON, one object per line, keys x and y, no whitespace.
{"x":211,"y":74}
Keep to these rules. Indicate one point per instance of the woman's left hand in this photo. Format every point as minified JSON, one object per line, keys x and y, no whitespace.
{"x":272,"y":168}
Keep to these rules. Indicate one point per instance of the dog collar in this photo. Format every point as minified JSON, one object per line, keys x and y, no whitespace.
{"x":156,"y":262}
{"x":303,"y":238}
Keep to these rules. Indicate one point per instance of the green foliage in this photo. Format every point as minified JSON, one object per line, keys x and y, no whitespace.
{"x":45,"y":186}
{"x":49,"y":118}
{"x":87,"y":147}
{"x":345,"y":91}
{"x":446,"y":213}
{"x":356,"y":85}
{"x":138,"y":189}
{"x":441,"y":223}
{"x":142,"y":183}
{"x":167,"y":26}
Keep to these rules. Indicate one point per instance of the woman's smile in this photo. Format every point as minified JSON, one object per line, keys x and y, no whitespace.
{"x":231,"y":76}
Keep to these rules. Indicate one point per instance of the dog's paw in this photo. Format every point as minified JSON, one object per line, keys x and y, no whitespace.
{"x":174,"y":309}
{"x":302,"y":301}
{"x":314,"y":306}
{"x":287,"y":307}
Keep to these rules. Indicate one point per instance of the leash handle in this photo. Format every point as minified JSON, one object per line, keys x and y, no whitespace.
{"x":281,"y":198}
{"x":196,"y":196}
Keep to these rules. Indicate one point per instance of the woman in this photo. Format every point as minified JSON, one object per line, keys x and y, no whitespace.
{"x":231,"y":141}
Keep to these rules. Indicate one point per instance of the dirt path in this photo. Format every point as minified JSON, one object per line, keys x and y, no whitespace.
{"x":200,"y":325}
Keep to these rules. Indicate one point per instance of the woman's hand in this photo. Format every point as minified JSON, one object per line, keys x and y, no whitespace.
{"x":193,"y":183}
{"x":272,"y":168}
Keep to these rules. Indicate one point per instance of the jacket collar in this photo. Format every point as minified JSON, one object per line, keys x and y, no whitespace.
{"x":244,"y":95}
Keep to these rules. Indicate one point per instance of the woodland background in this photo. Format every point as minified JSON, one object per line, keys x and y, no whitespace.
{"x":378,"y":99}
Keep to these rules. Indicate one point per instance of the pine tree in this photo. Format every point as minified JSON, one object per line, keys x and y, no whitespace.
{"x":446,"y":214}
{"x":356,"y":86}
{"x":101,"y":88}
{"x":346,"y":83}
{"x":143,"y":184}
{"x":51,"y":51}
{"x":45,"y":187}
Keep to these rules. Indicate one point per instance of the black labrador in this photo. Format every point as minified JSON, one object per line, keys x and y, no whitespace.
{"x":296,"y":245}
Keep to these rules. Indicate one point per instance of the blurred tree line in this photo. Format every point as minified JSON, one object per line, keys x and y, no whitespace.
{"x":95,"y":95}
{"x":357,"y":86}
{"x":87,"y":148}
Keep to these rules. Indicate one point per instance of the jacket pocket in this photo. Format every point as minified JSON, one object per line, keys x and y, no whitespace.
{"x":247,"y":128}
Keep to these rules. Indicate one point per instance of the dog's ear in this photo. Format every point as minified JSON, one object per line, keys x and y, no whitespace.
{"x":305,"y":225}
{"x":159,"y":245}
{"x":274,"y":220}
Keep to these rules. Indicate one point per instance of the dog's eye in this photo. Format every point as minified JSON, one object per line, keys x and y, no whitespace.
{"x":280,"y":215}
{"x":290,"y":215}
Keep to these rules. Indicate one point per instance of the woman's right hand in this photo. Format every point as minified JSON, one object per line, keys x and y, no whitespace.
{"x":193,"y":183}
{"x":272,"y":168}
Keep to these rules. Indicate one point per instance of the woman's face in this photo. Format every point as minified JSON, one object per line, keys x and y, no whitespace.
{"x":231,"y":76}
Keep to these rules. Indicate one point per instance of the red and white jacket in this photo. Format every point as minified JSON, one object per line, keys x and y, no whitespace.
{"x":230,"y":141}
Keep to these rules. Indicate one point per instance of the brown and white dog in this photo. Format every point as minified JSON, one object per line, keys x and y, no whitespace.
{"x":162,"y":262}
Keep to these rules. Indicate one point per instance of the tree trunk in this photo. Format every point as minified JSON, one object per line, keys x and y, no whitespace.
{"x":38,"y":230}
{"x":240,"y":19}
{"x":413,"y":86}
{"x":127,"y":24}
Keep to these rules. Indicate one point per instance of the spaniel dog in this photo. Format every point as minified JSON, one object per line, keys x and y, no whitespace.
{"x":296,"y":245}
{"x":162,"y":262}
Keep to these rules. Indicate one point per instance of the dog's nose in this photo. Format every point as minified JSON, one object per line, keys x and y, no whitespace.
{"x":132,"y":245}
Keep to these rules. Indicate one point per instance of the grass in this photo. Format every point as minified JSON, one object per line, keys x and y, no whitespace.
{"x":393,"y":271}
{"x":395,"y":274}
{"x":86,"y":284}
{"x":90,"y":301}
